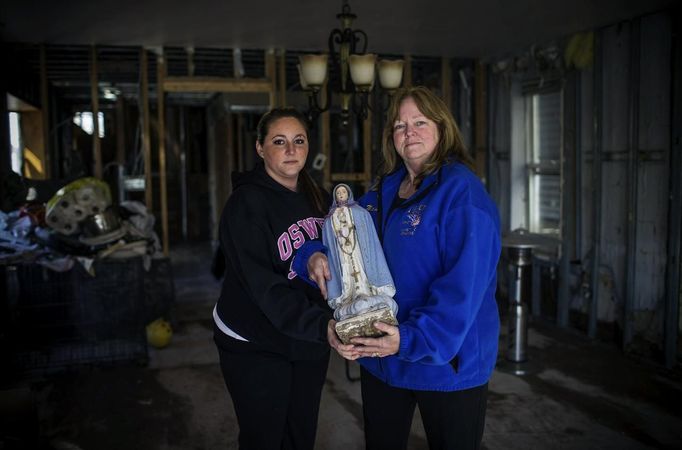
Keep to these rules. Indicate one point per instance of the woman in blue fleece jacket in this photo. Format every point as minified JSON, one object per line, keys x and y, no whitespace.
{"x":441,"y":235}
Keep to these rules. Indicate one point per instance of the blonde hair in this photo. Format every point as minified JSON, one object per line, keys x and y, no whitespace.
{"x":450,"y":145}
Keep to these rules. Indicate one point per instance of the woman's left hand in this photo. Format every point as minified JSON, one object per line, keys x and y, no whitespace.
{"x":386,"y":345}
{"x":346,"y":351}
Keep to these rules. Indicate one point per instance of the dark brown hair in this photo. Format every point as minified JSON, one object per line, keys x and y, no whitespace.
{"x":450,"y":145}
{"x":305,"y":182}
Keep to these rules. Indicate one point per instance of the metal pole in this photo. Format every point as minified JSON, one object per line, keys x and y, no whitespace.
{"x":520,"y":260}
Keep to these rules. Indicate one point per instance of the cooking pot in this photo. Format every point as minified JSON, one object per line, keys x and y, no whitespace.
{"x":101,"y":223}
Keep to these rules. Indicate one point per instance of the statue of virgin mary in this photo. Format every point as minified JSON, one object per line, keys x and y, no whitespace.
{"x":361,"y":289}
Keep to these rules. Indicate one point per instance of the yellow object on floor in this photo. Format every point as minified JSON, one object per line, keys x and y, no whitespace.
{"x":159,"y":333}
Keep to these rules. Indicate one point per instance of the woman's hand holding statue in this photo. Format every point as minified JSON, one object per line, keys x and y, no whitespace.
{"x":386,"y":345}
{"x":318,"y":270}
{"x":349,"y":351}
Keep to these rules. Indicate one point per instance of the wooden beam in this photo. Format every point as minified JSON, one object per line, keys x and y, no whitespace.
{"x":480,"y":101}
{"x":349,"y":176}
{"x":241,"y":166}
{"x":146,"y":137}
{"x":190,"y":61}
{"x":407,"y":71}
{"x":94,"y":94}
{"x":160,"y":74}
{"x":216,"y":84}
{"x":367,"y":150}
{"x":446,"y":82}
{"x":271,"y":75}
{"x":282,"y":79}
{"x":232,"y":152}
{"x":326,"y":143}
{"x":120,"y":131}
{"x":45,"y":111}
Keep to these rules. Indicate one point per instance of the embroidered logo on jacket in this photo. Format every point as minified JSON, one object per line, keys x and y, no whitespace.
{"x":412,"y":219}
{"x":371,"y":208}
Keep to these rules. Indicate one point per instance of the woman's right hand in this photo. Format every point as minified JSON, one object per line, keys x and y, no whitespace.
{"x":318,"y":271}
{"x":346,"y":351}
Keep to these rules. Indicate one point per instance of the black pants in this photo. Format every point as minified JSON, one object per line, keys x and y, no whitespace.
{"x":452,"y":420}
{"x":276,"y":401}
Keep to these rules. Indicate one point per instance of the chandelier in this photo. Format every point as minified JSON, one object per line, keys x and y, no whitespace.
{"x":347,"y":55}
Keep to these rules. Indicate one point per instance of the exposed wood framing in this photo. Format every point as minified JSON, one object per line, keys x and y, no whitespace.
{"x":146,"y":137}
{"x":326,"y":143}
{"x":633,"y":169}
{"x":45,"y":111}
{"x":446,"y":81}
{"x":208,"y":84}
{"x":160,"y":75}
{"x":190,"y":61}
{"x":367,"y":151}
{"x":216,"y":84}
{"x":480,"y":101}
{"x":232,"y":156}
{"x":349,"y":176}
{"x":240,"y":143}
{"x":271,"y":75}
{"x":407,"y":71}
{"x":673,"y":296}
{"x":597,"y":177}
{"x":282,"y":78}
{"x":120,"y":130}
{"x":94,"y":94}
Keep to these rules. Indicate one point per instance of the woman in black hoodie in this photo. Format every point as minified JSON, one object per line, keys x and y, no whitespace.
{"x":270,"y":326}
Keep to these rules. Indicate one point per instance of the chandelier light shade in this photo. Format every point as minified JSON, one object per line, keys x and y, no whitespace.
{"x":313,"y":70}
{"x":362,"y":69}
{"x":301,"y":80}
{"x":355,"y":71}
{"x":390,"y":73}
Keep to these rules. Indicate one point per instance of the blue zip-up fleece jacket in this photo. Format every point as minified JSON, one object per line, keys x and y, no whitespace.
{"x":442,"y":246}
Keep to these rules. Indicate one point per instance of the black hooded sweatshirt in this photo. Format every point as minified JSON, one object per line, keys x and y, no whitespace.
{"x":262,"y":226}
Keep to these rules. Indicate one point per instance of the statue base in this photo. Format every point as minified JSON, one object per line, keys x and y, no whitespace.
{"x":362,"y":325}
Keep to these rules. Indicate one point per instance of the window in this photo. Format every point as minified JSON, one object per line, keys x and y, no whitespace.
{"x":16,"y":146}
{"x":84,"y":120}
{"x":543,"y":161}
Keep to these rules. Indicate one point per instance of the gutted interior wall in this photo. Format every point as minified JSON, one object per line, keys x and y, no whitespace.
{"x":634,"y":90}
{"x":616,"y":165}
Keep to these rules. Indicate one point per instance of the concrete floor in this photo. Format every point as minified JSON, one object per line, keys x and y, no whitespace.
{"x":573,"y":393}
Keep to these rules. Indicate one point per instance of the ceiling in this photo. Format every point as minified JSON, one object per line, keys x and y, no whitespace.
{"x":451,"y":28}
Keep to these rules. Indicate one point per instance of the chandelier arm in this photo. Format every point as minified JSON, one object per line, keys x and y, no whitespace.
{"x":358,"y":35}
{"x":313,"y":110}
{"x":361,"y":109}
{"x":335,"y":37}
{"x":314,"y":107}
